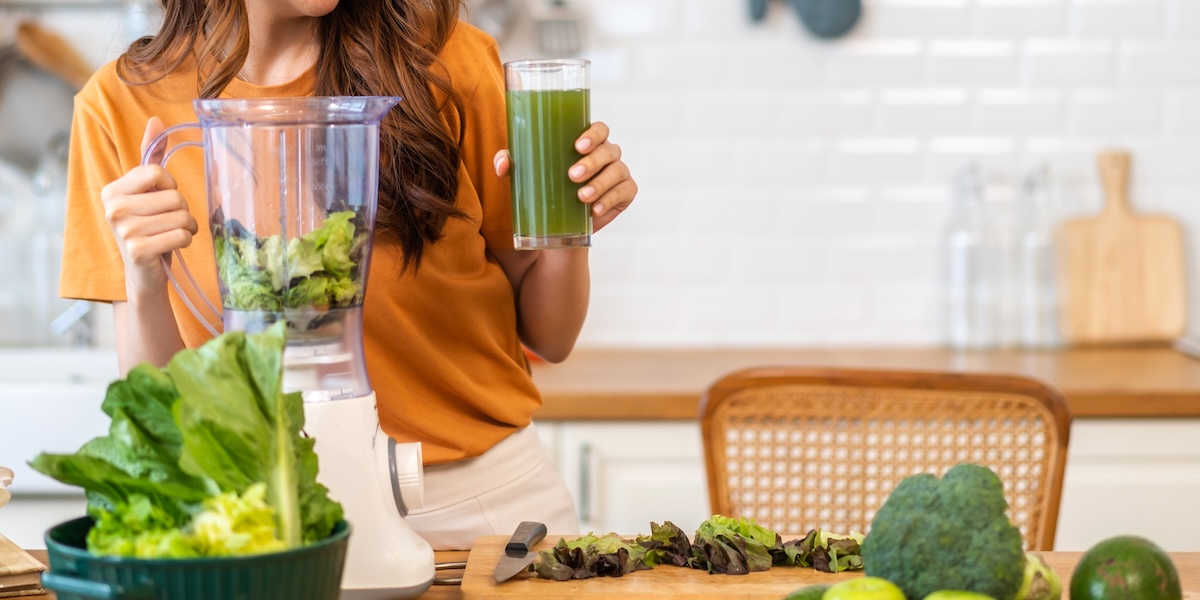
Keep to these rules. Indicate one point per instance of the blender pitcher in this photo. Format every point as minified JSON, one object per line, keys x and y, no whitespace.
{"x":292,"y":185}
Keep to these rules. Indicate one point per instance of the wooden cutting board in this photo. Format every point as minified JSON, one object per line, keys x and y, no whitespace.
{"x":20,"y":573}
{"x":677,"y":582}
{"x":657,"y":583}
{"x":1121,"y":274}
{"x":53,"y":53}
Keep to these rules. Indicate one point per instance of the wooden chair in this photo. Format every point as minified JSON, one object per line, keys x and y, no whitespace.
{"x":798,"y":448}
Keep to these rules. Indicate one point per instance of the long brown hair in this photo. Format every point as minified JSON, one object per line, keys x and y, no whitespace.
{"x":368,"y":48}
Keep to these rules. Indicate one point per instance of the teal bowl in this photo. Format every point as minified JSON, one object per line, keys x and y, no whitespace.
{"x":312,"y":572}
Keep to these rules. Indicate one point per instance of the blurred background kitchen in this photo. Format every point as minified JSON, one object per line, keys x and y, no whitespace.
{"x":800,"y":187}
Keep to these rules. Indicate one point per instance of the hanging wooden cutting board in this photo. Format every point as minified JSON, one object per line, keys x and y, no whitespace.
{"x":53,"y":53}
{"x":1121,"y":274}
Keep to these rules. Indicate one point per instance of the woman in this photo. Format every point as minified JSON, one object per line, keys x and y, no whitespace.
{"x":450,"y":302}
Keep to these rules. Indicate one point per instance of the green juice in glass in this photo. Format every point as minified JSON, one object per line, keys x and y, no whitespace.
{"x":543,"y":126}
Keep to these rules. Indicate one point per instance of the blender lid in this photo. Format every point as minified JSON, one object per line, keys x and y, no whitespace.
{"x":295,"y":110}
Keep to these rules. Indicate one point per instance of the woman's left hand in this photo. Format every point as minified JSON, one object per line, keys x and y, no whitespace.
{"x":607,"y":184}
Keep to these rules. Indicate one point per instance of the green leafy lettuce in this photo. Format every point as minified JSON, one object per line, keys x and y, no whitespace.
{"x":823,"y":551}
{"x":733,"y":546}
{"x":590,"y":556}
{"x":227,"y":525}
{"x":316,"y":270}
{"x":201,"y":457}
{"x":666,"y":544}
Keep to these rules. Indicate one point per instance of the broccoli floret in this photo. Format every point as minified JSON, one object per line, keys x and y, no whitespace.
{"x":948,"y":534}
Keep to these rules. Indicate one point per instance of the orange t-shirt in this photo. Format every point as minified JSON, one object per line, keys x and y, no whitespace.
{"x":441,"y":343}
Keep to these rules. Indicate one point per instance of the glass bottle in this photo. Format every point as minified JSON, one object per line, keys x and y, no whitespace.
{"x":969,"y":266}
{"x":1036,"y":290}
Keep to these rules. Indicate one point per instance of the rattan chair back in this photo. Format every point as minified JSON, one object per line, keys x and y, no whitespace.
{"x":800,"y":448}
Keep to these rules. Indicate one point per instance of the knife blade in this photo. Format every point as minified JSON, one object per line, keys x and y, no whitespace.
{"x":518,"y":553}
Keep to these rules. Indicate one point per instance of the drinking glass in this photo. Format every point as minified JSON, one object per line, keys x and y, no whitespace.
{"x":548,"y":109}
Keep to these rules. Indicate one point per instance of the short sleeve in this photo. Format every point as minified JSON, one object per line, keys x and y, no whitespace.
{"x":486,"y":133}
{"x":91,"y":265}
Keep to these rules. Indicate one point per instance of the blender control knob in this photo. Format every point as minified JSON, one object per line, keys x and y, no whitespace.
{"x":408,"y":475}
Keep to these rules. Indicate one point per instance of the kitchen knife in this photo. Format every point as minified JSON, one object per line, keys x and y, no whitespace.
{"x":518,"y":554}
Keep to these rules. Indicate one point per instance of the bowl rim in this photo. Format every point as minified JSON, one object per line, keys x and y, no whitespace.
{"x":341,"y":531}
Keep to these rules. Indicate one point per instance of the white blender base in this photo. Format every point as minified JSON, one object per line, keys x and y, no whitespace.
{"x":386,"y":559}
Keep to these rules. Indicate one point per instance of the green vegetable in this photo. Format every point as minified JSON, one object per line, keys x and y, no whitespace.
{"x":138,"y":528}
{"x":232,"y":524}
{"x":315,"y":270}
{"x":140,"y":455}
{"x":951,"y":533}
{"x":666,"y":544}
{"x":822,"y":550}
{"x":227,"y":525}
{"x":211,"y":434}
{"x":590,"y":556}
{"x":1039,"y":582}
{"x":722,"y":545}
{"x":733,"y":546}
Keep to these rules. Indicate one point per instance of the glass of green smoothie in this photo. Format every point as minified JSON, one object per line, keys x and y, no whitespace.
{"x":548,"y":109}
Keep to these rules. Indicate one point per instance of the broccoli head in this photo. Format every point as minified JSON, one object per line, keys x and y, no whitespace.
{"x":944,"y":534}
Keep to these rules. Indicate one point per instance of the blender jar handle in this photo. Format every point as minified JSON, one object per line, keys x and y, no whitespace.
{"x":148,"y":157}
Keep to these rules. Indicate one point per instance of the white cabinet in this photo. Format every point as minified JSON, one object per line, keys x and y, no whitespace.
{"x":1137,"y":477}
{"x":626,"y":474}
{"x":1124,"y":476}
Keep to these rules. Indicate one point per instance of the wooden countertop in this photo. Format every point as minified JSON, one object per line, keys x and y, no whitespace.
{"x":1125,"y":382}
{"x":1187,"y":563}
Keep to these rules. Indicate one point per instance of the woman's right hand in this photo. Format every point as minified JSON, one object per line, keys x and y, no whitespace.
{"x":149,"y":218}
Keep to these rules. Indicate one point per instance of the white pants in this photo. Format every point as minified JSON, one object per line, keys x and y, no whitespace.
{"x":490,"y":494}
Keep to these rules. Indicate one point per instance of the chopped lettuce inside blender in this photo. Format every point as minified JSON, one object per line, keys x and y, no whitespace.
{"x":203,"y":458}
{"x":315,"y":270}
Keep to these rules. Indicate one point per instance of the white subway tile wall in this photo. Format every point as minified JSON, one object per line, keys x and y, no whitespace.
{"x":792,"y":189}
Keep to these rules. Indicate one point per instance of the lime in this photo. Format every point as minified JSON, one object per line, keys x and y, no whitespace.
{"x":812,"y":592}
{"x":1125,"y":566}
{"x":864,"y":588}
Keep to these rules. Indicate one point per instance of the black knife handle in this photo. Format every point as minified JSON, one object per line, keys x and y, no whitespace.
{"x":527,"y":535}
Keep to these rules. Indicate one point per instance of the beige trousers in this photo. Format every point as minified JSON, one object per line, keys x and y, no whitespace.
{"x":490,"y":494}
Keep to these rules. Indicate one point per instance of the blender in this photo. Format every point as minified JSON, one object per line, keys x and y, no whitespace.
{"x":292,"y":186}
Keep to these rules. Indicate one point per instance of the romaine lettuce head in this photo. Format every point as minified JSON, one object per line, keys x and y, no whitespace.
{"x":211,"y":434}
